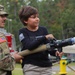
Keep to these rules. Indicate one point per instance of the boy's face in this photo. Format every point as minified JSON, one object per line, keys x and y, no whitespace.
{"x":33,"y":21}
{"x":2,"y":21}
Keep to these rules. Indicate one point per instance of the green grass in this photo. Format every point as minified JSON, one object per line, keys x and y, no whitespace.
{"x":18,"y":70}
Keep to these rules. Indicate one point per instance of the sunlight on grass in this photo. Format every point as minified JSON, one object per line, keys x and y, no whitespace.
{"x":17,"y":70}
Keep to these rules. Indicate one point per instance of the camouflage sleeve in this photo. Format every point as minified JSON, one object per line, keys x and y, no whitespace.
{"x":7,"y":63}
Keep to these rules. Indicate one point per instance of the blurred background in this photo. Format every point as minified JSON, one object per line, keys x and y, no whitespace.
{"x":58,"y":16}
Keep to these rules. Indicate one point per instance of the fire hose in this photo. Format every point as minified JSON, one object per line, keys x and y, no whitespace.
{"x":52,"y":45}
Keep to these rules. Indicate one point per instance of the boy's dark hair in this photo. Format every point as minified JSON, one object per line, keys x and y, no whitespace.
{"x":25,"y":12}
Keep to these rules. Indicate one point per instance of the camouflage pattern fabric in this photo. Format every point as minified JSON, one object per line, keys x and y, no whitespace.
{"x":7,"y":62}
{"x":2,"y":72}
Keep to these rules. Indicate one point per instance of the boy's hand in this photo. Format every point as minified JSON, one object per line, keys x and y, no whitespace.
{"x":49,"y":36}
{"x":16,"y":56}
{"x":59,"y":54}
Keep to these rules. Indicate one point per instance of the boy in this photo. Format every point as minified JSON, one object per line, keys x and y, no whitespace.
{"x":32,"y":36}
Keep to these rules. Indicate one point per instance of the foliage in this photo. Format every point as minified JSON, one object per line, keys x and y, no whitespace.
{"x":57,"y":15}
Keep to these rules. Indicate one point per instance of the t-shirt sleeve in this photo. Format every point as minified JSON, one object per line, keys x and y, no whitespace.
{"x":27,"y":43}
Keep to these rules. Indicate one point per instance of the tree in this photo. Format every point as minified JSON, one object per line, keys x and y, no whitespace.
{"x":58,"y":16}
